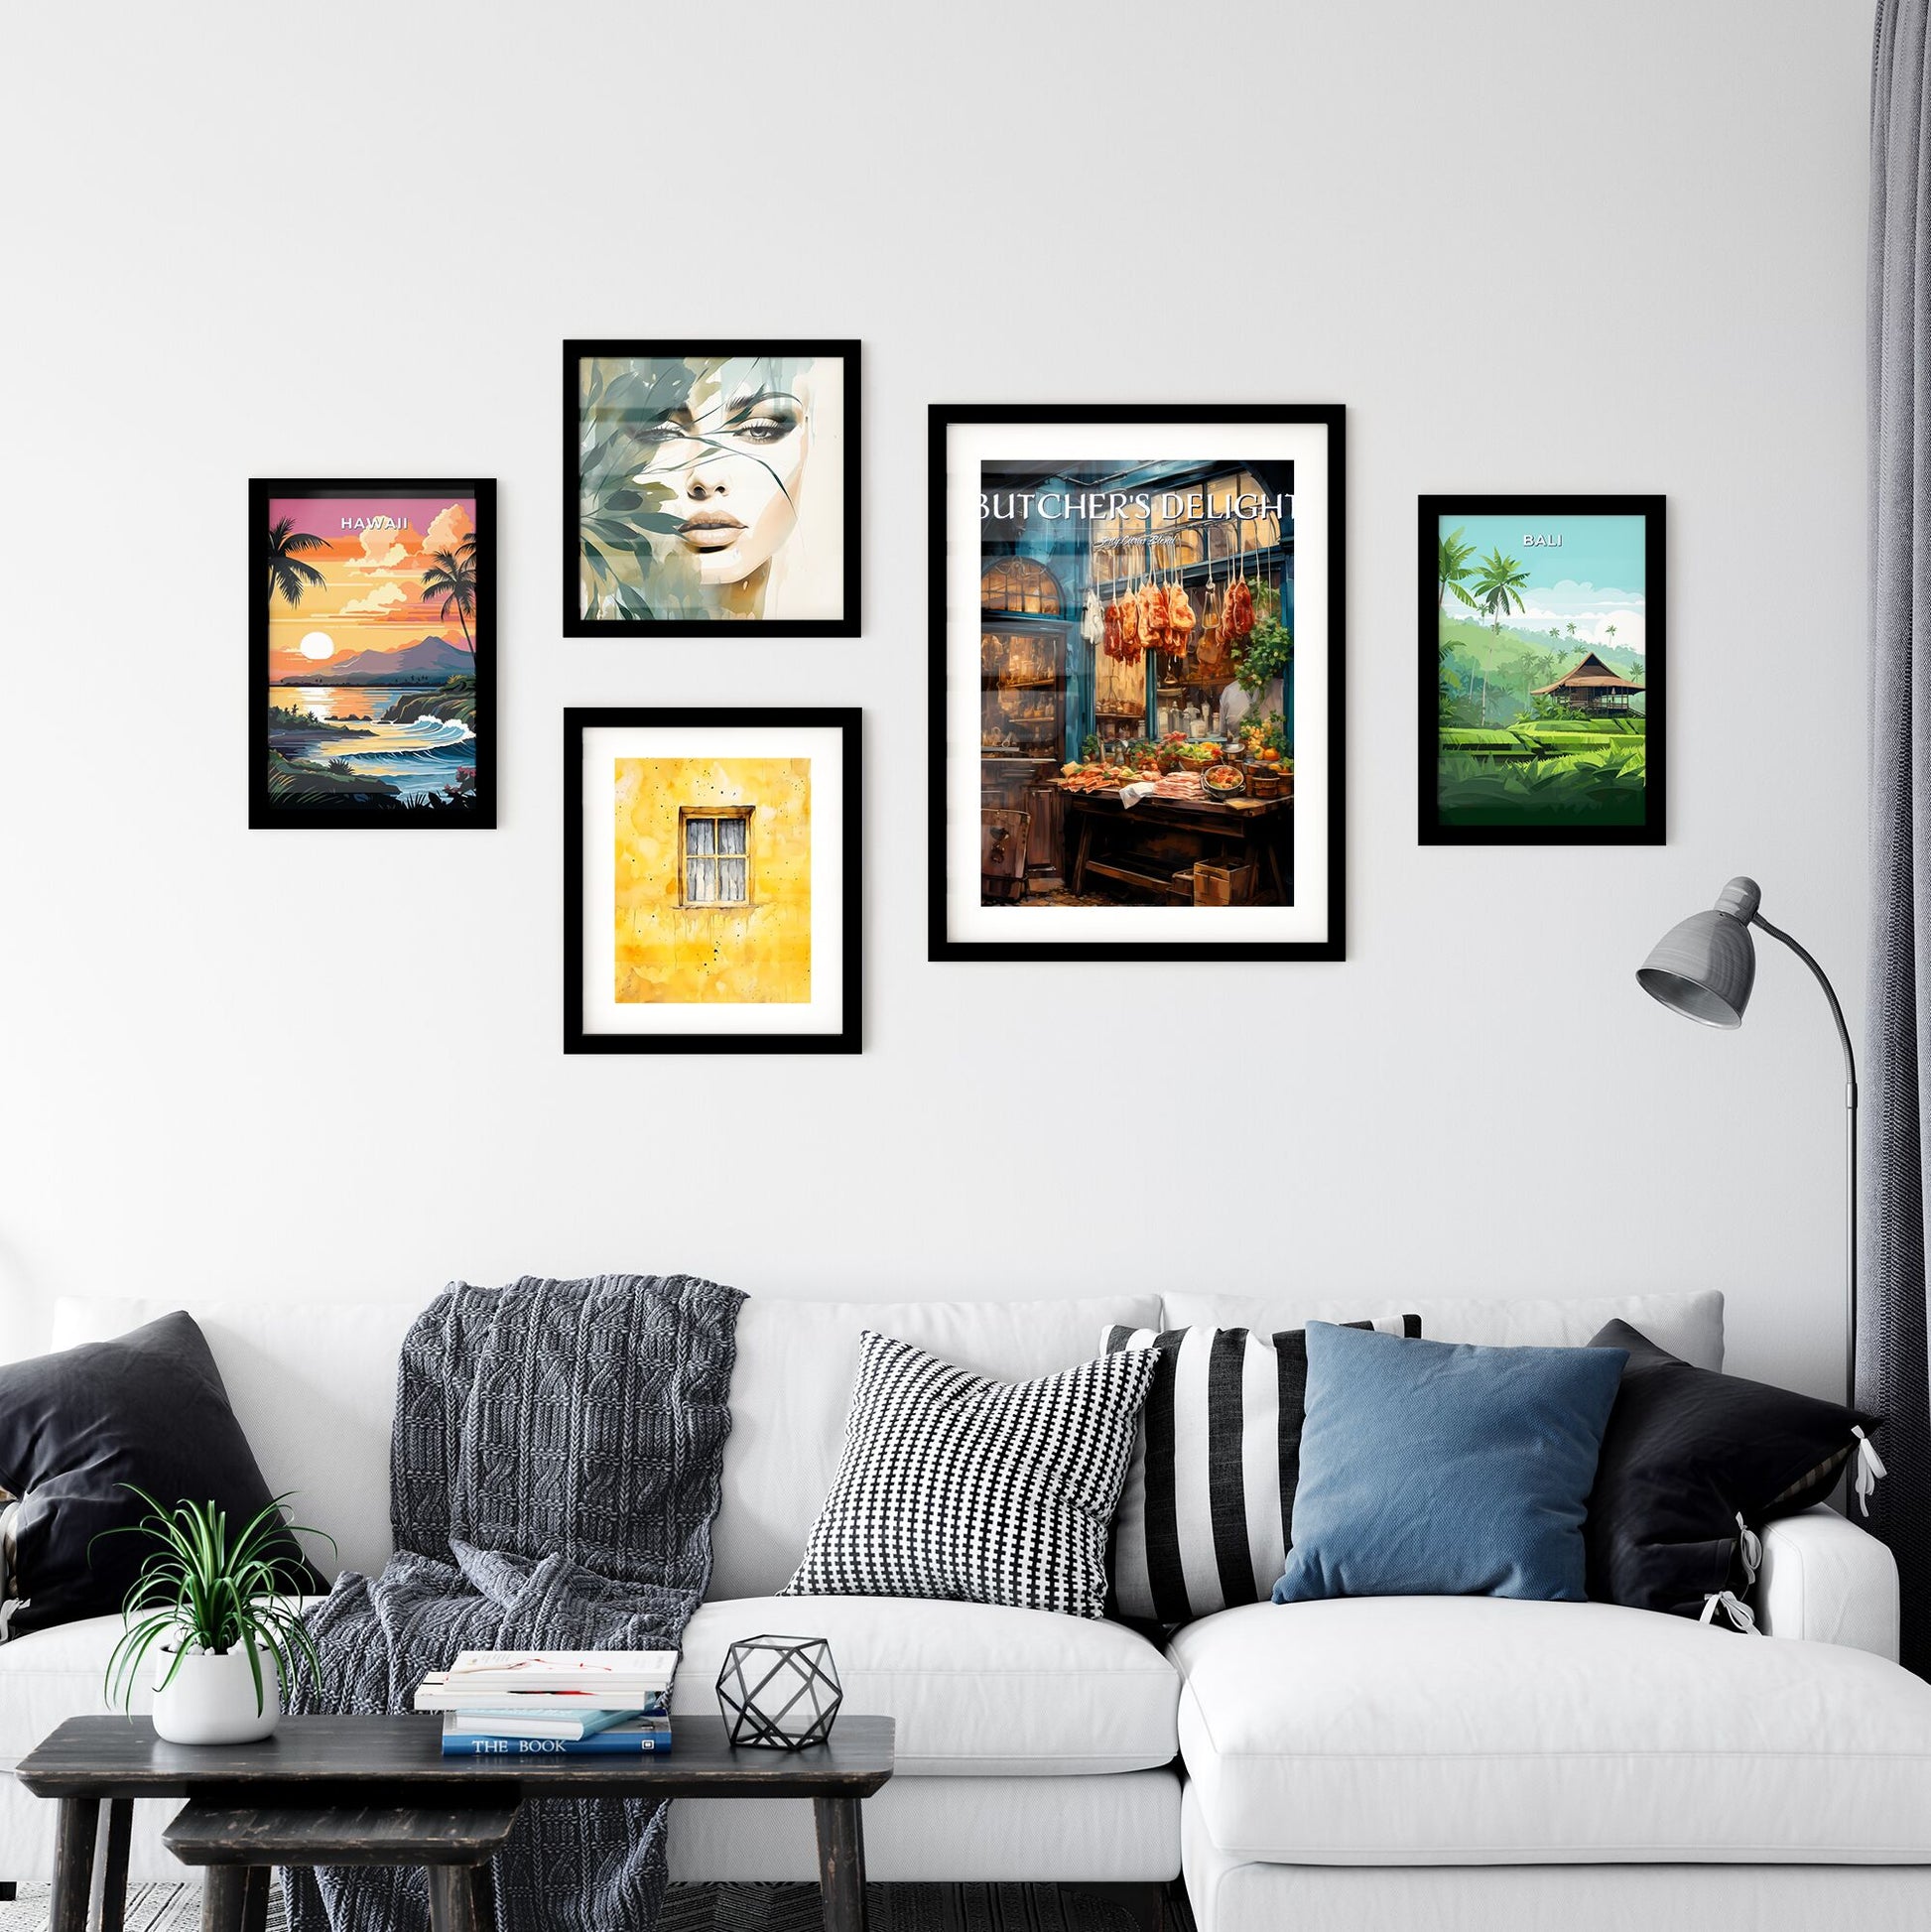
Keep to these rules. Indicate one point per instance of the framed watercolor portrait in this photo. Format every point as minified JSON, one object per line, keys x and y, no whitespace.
{"x":1136,"y":683}
{"x":1543,"y":712}
{"x":372,"y":632}
{"x":710,"y":484}
{"x":712,"y":881}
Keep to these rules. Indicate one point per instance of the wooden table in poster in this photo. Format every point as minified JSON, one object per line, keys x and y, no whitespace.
{"x":377,"y":1790}
{"x":1250,"y":830}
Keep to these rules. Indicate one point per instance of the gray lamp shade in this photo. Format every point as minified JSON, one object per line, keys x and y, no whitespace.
{"x":1704,"y":966}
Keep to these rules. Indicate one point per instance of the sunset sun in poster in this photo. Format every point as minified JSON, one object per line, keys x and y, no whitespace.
{"x":373,"y":559}
{"x":376,"y":618}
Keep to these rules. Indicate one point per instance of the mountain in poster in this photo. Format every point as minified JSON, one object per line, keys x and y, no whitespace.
{"x":1513,"y":663}
{"x":433,"y":658}
{"x":375,"y":700}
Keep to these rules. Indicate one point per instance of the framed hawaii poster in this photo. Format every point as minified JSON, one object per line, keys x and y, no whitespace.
{"x":712,"y":881}
{"x":1544,"y":710}
{"x":1137,"y":682}
{"x":711,"y":486}
{"x":372,"y":634}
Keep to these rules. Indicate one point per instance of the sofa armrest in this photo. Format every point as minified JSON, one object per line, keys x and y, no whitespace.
{"x":1825,"y":1579}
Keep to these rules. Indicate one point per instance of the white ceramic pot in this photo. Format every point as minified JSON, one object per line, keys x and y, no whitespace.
{"x":211,"y":1700}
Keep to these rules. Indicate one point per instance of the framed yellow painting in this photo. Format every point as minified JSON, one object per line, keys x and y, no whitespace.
{"x":712,"y":881}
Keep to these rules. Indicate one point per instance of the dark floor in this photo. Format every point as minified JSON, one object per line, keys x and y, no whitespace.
{"x":732,"y":1908}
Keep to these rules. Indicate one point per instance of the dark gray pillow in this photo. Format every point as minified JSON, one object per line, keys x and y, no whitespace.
{"x":1690,"y":1460}
{"x":77,"y":1427}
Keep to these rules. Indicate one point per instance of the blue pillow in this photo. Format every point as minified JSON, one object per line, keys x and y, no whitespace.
{"x":1435,"y":1469}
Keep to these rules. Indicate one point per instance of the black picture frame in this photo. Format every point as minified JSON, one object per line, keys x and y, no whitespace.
{"x":941,"y":419}
{"x":849,"y":721}
{"x":848,"y":623}
{"x":1653,"y":509}
{"x":480,"y":814}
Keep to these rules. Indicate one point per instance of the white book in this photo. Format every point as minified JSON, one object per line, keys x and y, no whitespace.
{"x":516,"y":1724}
{"x":562,"y":1670}
{"x":434,"y":1693}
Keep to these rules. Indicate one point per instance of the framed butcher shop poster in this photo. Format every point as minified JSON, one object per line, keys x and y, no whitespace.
{"x":1136,"y":688}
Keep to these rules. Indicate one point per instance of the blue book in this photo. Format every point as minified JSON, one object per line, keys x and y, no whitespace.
{"x":620,"y":1740}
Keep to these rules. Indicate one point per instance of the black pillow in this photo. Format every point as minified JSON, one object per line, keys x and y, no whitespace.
{"x":147,"y":1408}
{"x":1687,"y":1453}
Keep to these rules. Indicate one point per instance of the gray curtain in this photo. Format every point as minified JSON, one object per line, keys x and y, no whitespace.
{"x":1892,"y":1363}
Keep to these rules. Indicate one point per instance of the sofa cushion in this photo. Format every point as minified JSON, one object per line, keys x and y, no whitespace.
{"x":973,"y":1489}
{"x":314,"y":1387}
{"x":92,"y":1440}
{"x":1208,"y":1498}
{"x":1692,"y":1464}
{"x":1690,"y":1326}
{"x":50,"y":1676}
{"x":1445,"y":1469}
{"x":796,"y":1363}
{"x":978,"y":1691}
{"x":951,"y":1830}
{"x":1485,"y":1731}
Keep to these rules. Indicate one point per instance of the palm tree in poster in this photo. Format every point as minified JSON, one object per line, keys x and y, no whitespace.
{"x":1500,"y":583}
{"x":451,"y":575}
{"x":1451,"y":567}
{"x":286,"y":571}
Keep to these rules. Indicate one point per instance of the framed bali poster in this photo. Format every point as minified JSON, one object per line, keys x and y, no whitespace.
{"x":712,"y":881}
{"x":1543,"y":709}
{"x":372,"y":632}
{"x":710,"y":484}
{"x":1136,"y":682}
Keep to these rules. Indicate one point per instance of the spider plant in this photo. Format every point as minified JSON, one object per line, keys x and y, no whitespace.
{"x":208,"y":1593}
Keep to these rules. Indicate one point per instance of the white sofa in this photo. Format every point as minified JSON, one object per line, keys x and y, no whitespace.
{"x":1369,"y":1764}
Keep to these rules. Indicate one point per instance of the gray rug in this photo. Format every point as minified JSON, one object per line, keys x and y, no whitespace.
{"x":714,"y":1908}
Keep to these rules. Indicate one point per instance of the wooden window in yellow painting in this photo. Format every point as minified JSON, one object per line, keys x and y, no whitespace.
{"x":715,"y":855}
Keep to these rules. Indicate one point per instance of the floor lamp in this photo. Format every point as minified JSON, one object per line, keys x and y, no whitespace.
{"x":1703,"y":968}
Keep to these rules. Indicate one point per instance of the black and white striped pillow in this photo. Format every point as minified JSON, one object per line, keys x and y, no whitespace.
{"x":1206,"y":1514}
{"x":952,"y":1485}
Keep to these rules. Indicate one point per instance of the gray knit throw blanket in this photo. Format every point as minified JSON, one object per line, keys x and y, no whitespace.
{"x":554,"y":1473}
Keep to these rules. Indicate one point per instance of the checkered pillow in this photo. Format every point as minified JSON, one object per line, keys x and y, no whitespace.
{"x":956,"y":1485}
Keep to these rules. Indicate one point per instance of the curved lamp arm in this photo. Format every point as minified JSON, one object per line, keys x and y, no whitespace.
{"x":1851,"y":1153}
{"x":1829,"y":993}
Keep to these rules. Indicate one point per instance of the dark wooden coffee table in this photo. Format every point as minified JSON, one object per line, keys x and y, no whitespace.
{"x":395,"y":1766}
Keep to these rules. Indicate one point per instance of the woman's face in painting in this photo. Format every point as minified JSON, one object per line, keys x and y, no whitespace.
{"x":733,"y":454}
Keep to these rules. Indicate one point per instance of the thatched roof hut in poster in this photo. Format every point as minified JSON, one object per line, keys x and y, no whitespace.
{"x":1592,"y":687}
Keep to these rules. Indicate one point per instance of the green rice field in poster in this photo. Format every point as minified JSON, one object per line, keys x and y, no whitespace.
{"x":1541,"y":696}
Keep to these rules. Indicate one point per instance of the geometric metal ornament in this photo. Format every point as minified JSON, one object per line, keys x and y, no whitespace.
{"x":779,"y":1693}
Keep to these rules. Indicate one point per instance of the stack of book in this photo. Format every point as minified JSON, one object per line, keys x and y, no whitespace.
{"x":535,"y":1703}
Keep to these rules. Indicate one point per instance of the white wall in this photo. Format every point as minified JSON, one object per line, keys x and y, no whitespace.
{"x":1614,"y":246}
